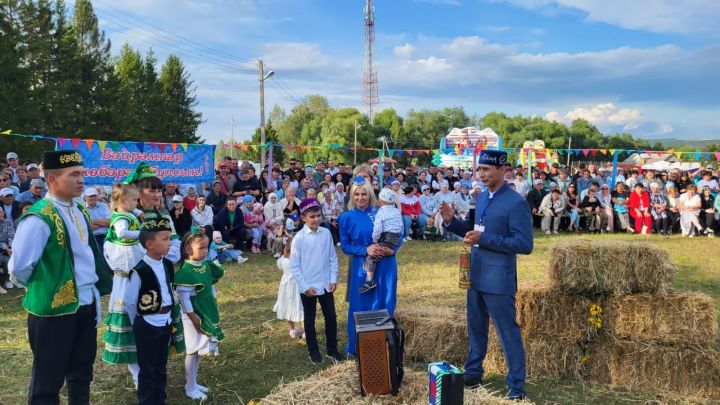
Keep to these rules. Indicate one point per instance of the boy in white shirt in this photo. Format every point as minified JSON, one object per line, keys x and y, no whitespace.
{"x":314,"y":265}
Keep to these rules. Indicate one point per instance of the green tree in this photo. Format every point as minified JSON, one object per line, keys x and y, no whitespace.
{"x":253,"y":153}
{"x":130,"y":73}
{"x":178,"y":95}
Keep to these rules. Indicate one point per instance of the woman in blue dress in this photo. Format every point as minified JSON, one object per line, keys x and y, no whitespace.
{"x":356,"y":227}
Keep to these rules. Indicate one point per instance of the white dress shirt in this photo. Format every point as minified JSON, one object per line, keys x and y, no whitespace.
{"x":30,"y":240}
{"x":133,"y":289}
{"x":313,"y":260}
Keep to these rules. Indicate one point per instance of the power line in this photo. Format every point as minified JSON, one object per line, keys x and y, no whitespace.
{"x":183,"y":45}
{"x":173,"y":48}
{"x":173,"y":36}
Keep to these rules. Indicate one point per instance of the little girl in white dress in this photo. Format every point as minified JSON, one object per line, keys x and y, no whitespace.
{"x":288,"y":305}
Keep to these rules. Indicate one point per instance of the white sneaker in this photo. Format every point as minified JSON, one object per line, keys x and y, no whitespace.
{"x":3,"y":291}
{"x":337,"y":244}
{"x":692,"y":235}
{"x":9,"y":285}
{"x":203,"y":389}
{"x":408,"y":239}
{"x":195,"y":394}
{"x":547,"y":232}
{"x":276,"y":255}
{"x":556,"y":232}
{"x":217,"y":262}
{"x":242,"y":260}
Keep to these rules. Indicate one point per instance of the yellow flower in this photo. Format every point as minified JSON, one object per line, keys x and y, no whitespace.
{"x":595,"y":309}
{"x":585,"y":359}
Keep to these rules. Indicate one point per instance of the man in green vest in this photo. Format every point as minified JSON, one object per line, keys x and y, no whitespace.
{"x":57,"y":259}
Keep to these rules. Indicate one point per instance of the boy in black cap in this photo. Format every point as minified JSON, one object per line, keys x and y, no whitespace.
{"x":150,"y":301}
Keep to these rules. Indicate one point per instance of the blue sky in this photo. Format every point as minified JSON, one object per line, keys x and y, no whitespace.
{"x":649,"y":67}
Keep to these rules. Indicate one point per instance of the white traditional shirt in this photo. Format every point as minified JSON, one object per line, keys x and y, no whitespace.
{"x":29,"y":244}
{"x":313,"y":260}
{"x":133,"y":289}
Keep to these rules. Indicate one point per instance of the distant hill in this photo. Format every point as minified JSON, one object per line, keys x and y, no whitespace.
{"x":672,"y":142}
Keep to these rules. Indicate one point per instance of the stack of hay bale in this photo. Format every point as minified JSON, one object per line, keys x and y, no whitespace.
{"x":645,"y":336}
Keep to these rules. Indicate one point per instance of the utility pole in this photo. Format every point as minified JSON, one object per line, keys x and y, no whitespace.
{"x":262,"y":77}
{"x":356,"y":126}
{"x":569,"y":152}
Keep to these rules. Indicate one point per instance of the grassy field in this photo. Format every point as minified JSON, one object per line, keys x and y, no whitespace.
{"x":257,"y":353}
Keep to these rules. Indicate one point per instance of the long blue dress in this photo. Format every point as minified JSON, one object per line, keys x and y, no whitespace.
{"x":355,"y":237}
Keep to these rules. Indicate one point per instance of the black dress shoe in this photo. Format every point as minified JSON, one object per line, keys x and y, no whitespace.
{"x":336,"y":356}
{"x":316,"y":358}
{"x":473,"y":382}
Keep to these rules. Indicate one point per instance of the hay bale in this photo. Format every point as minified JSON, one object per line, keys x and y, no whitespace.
{"x":339,"y":384}
{"x":687,"y":370}
{"x":543,"y":310}
{"x":677,"y":317}
{"x":609,"y":267}
{"x":545,"y":356}
{"x":434,"y":333}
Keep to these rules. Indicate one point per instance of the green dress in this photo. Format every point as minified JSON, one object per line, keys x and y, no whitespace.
{"x":202,"y":276}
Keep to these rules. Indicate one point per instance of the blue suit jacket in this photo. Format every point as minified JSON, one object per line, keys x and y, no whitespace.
{"x":508,"y":231}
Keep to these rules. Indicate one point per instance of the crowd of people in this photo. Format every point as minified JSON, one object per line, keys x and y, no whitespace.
{"x":165,"y":243}
{"x":252,"y":211}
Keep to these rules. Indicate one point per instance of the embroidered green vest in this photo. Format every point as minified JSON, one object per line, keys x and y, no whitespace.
{"x":133,"y":225}
{"x":51,"y":289}
{"x":202,"y":277}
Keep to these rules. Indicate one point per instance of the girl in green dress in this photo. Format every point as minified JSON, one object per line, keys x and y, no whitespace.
{"x":201,"y":320}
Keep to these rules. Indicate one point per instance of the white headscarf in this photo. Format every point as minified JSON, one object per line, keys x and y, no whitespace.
{"x":272,"y":211}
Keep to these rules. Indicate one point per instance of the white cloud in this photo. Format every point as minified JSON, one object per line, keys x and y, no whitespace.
{"x":291,"y":56}
{"x":603,"y":115}
{"x":687,"y":16}
{"x":495,"y":28}
{"x":537,"y":31}
{"x":404,"y":51}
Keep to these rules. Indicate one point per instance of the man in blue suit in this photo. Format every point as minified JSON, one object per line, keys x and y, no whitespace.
{"x":501,"y":229}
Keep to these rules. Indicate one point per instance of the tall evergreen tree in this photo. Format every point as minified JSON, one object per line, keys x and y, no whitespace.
{"x":178,"y":94}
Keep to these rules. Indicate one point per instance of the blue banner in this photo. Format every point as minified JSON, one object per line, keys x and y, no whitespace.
{"x":107,"y":163}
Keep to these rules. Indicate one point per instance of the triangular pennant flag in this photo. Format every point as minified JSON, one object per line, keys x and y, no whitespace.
{"x":577,"y":152}
{"x":698,"y":155}
{"x":89,"y":143}
{"x":102,"y":144}
{"x":410,"y":153}
{"x":61,"y":142}
{"x":153,"y":145}
{"x":585,"y":152}
{"x":593,"y":152}
{"x":173,"y":146}
{"x":6,"y":132}
{"x":612,"y":152}
{"x":75,"y":142}
{"x":391,"y":152}
{"x":184,"y":146}
{"x":678,"y":154}
{"x":141,"y":146}
{"x":603,"y":151}
{"x":717,"y":155}
{"x":706,"y":156}
{"x":114,"y":146}
{"x":162,"y":147}
{"x":400,"y":153}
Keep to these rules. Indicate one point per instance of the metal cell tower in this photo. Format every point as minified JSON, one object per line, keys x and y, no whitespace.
{"x":370,"y":83}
